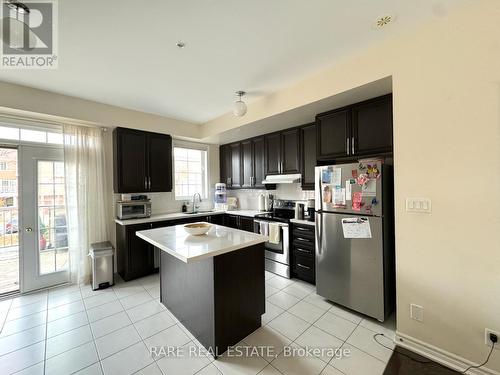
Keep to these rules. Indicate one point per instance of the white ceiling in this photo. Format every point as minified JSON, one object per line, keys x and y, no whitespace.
{"x":123,"y":52}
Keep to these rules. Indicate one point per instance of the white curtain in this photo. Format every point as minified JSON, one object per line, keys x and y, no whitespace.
{"x":87,"y":201}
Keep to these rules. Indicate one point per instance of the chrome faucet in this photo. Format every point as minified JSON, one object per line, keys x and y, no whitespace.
{"x":195,"y":208}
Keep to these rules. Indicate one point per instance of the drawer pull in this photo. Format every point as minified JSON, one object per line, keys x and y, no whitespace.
{"x":303,"y":239}
{"x":302,"y":266}
{"x":303,"y":250}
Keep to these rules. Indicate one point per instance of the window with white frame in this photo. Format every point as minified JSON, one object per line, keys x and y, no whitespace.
{"x":31,"y":134}
{"x":190,"y":171}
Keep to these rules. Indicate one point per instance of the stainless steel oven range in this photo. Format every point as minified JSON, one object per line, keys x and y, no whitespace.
{"x":277,"y":254}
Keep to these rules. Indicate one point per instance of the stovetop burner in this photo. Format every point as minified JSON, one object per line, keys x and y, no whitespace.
{"x":283,"y":211}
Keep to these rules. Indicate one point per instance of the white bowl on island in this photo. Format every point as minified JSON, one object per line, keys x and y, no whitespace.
{"x":197,"y":229}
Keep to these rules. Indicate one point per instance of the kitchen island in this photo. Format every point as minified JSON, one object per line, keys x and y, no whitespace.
{"x":213,"y":283}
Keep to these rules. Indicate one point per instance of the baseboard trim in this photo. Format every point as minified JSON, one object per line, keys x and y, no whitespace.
{"x":439,"y":355}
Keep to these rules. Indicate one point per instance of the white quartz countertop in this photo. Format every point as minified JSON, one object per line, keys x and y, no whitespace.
{"x":183,"y":215}
{"x":304,"y":222}
{"x":219,"y":240}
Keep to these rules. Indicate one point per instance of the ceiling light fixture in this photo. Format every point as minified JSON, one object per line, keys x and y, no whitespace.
{"x":240,"y":108}
{"x":18,"y":7}
{"x":180,"y":44}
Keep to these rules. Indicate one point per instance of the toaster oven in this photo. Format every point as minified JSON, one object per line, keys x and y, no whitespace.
{"x":133,"y":209}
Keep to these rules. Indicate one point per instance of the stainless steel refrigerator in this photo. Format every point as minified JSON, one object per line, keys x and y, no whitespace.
{"x":355,"y":236}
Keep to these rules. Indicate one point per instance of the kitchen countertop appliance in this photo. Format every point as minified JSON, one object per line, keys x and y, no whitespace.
{"x":276,"y":225}
{"x":133,"y":209}
{"x":355,"y":236}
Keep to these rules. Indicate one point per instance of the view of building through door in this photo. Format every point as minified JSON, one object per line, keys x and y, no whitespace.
{"x":9,"y":221}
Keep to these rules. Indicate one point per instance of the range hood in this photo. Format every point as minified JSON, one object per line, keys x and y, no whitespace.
{"x":282,"y":179}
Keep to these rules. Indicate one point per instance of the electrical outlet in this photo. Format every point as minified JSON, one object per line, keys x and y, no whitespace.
{"x":417,"y":312}
{"x":487,"y":340}
{"x":420,"y":205}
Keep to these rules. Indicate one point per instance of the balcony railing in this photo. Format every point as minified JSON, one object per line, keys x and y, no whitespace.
{"x":9,"y":227}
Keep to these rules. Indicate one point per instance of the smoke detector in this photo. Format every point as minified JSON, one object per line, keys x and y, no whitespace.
{"x":384,"y":21}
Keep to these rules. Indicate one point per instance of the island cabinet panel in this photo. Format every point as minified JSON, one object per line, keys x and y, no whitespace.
{"x":220,"y":300}
{"x":135,"y":257}
{"x":308,"y":141}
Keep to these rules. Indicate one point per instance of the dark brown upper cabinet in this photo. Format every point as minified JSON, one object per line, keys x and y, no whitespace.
{"x":273,"y":153}
{"x":247,"y":164}
{"x":333,"y":132}
{"x":290,"y":151}
{"x":372,"y":126}
{"x":142,"y":161}
{"x":258,"y":162}
{"x":225,"y":165}
{"x":308,"y":138}
{"x":236,"y":165}
{"x":282,"y":151}
{"x":362,"y":129}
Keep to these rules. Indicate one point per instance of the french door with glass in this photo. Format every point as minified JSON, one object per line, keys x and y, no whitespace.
{"x":43,"y":227}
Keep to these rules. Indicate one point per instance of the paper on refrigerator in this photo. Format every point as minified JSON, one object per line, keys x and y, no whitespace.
{"x":337,"y":177}
{"x":356,"y":228}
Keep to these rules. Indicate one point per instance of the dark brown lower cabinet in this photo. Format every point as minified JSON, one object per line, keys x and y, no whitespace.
{"x":303,"y":252}
{"x":239,"y":222}
{"x":134,"y":256}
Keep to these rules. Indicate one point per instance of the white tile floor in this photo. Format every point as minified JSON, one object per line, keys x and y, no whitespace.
{"x":72,"y":329}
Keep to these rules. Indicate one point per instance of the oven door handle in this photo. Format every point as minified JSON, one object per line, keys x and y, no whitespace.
{"x":269,"y":222}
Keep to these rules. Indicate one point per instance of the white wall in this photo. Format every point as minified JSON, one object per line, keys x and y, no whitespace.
{"x":248,"y":198}
{"x":446,"y":90}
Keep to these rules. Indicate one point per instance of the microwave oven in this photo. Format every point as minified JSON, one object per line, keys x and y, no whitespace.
{"x":133,"y":209}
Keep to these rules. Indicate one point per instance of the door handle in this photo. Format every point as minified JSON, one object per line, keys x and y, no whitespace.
{"x":319,"y":223}
{"x":28,"y":229}
{"x":149,"y":182}
{"x":352,"y":145}
{"x":145,"y":183}
{"x":347,"y":146}
{"x":302,"y":266}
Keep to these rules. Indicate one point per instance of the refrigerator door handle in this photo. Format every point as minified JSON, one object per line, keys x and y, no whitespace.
{"x":319,"y":233}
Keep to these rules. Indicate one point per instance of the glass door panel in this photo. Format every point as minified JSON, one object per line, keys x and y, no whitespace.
{"x":44,"y":234}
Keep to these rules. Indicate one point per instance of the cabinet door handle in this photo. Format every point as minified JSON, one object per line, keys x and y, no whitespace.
{"x":145,"y":183}
{"x":227,"y":181}
{"x":149,"y":183}
{"x":347,"y":146}
{"x":302,"y":266}
{"x":352,"y":145}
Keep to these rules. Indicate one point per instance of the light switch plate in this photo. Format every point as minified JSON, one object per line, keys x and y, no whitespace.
{"x":417,"y":312}
{"x":422,"y":205}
